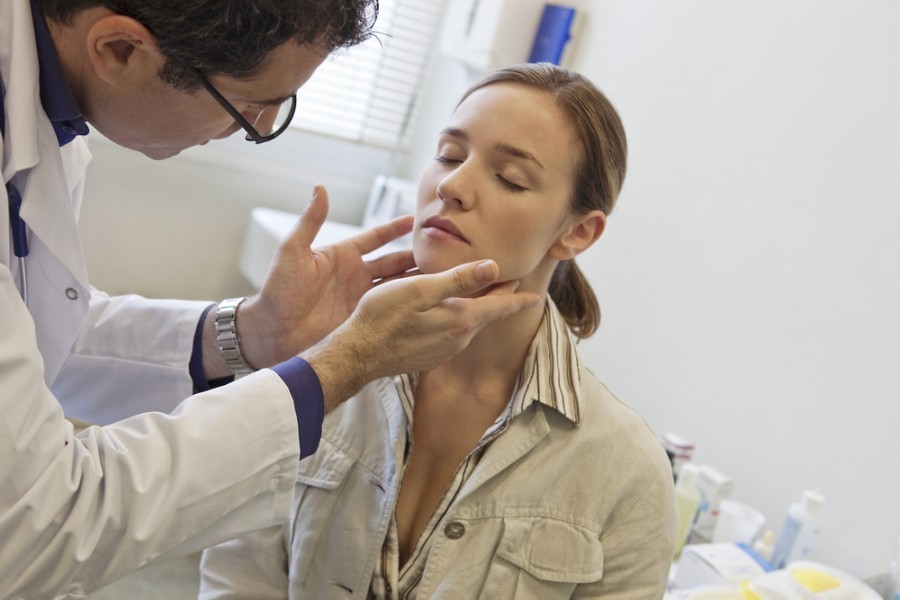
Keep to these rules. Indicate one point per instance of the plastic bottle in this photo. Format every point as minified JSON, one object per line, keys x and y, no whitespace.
{"x":800,"y":530}
{"x":714,"y":487}
{"x":687,"y":501}
{"x":765,"y":546}
{"x":679,"y":449}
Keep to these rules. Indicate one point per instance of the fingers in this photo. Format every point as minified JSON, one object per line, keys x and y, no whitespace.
{"x":391,"y":265}
{"x":462,"y":280}
{"x":501,"y":303}
{"x":375,"y":238}
{"x":307,"y":227}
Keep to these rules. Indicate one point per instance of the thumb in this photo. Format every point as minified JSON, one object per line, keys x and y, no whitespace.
{"x":306,"y":229}
{"x":465,"y":279}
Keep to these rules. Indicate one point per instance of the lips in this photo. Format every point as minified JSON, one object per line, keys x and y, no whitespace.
{"x":444,"y":225}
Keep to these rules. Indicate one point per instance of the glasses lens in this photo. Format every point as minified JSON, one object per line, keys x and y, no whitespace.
{"x":275,"y":119}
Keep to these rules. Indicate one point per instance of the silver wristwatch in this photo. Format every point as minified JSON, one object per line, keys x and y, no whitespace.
{"x":227,"y":338}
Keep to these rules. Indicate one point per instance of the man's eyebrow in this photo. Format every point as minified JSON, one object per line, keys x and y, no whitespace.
{"x":504,"y":148}
{"x":271,"y":102}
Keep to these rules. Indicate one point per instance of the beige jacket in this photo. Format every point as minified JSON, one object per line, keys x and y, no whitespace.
{"x":552,"y":510}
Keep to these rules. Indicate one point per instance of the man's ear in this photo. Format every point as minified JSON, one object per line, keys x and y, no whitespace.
{"x":122,"y":51}
{"x":579,"y":235}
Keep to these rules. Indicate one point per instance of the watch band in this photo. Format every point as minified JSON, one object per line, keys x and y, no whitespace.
{"x":227,"y":338}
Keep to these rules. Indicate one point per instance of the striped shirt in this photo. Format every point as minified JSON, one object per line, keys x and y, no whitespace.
{"x":549,"y":376}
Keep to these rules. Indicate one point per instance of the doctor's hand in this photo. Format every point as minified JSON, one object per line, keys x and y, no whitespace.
{"x":411,"y":324}
{"x":307,"y":292}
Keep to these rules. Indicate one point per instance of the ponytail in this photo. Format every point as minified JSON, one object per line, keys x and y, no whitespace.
{"x":575,"y":299}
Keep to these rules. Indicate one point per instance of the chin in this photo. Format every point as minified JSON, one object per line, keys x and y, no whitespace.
{"x":435,"y":262}
{"x":160,"y":153}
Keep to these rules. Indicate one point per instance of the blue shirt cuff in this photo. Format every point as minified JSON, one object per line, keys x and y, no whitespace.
{"x":309,"y":401}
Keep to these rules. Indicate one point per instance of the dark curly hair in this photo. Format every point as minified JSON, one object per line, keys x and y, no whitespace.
{"x":231,"y":37}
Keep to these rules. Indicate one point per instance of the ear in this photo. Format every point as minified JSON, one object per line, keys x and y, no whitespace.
{"x":121,"y":51}
{"x":579,"y":235}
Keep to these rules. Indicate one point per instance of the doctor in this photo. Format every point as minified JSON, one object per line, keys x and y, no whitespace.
{"x":78,"y":511}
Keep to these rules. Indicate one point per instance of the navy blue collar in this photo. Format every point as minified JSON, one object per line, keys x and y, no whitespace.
{"x":56,"y":97}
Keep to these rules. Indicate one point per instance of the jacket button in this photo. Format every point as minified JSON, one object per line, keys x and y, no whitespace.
{"x":454,"y":530}
{"x":71,"y":293}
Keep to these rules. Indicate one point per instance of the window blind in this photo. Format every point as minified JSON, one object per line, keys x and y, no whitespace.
{"x":370,"y":93}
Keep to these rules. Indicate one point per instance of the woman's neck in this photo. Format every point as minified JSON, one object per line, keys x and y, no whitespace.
{"x":485,"y":373}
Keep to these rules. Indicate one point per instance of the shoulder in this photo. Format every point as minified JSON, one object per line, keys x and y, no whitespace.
{"x":617,"y":428}
{"x":613,"y":449}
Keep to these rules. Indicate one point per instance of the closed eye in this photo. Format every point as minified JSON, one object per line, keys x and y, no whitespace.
{"x":510,"y":185}
{"x":446,"y":160}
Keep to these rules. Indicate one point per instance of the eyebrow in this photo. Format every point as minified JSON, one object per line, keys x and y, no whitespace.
{"x":272,"y":102}
{"x":501,"y":147}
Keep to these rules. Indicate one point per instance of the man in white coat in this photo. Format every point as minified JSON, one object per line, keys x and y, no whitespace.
{"x":216,"y":457}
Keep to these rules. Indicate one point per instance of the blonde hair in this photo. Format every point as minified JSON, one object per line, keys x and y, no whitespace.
{"x":598,"y":178}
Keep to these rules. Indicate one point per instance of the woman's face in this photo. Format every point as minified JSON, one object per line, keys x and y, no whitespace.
{"x":500,"y":186}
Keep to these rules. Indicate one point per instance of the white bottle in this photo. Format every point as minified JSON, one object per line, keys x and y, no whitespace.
{"x":800,"y":530}
{"x":687,"y":501}
{"x":714,"y":487}
{"x":765,"y":545}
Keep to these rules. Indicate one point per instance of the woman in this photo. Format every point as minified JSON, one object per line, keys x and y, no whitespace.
{"x":509,"y":471}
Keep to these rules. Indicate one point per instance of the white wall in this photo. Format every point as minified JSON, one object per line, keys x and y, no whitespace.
{"x":750,"y":277}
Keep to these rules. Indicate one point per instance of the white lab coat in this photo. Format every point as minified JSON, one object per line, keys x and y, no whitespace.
{"x":77,"y":512}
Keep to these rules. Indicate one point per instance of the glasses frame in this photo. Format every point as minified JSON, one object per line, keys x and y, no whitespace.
{"x":252,"y":134}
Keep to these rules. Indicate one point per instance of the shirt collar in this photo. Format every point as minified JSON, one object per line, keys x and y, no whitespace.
{"x":550,"y":376}
{"x":56,"y":97}
{"x":552,"y":371}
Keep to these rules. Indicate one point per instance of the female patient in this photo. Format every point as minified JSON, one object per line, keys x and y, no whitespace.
{"x":509,"y":471}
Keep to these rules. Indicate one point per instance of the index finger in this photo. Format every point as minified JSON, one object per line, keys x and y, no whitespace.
{"x":495,"y":306}
{"x":375,"y":238}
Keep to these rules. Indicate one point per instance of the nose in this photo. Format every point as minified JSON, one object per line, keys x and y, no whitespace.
{"x":235,"y":126}
{"x":457,"y":187}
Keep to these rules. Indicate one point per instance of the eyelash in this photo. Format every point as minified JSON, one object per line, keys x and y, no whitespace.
{"x":510,"y":185}
{"x":503,"y":181}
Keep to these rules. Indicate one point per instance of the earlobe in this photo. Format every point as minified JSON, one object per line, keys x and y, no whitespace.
{"x":122,"y":51}
{"x":579,"y":236}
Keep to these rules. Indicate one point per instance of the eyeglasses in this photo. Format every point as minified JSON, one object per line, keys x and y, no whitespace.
{"x":284,"y":112}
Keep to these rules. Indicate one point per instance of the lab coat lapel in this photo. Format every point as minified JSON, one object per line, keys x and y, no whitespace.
{"x":20,"y":72}
{"x":46,"y":175}
{"x":49,"y":205}
{"x":524,"y":433}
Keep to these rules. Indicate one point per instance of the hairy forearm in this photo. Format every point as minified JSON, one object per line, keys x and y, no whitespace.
{"x":343,"y":363}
